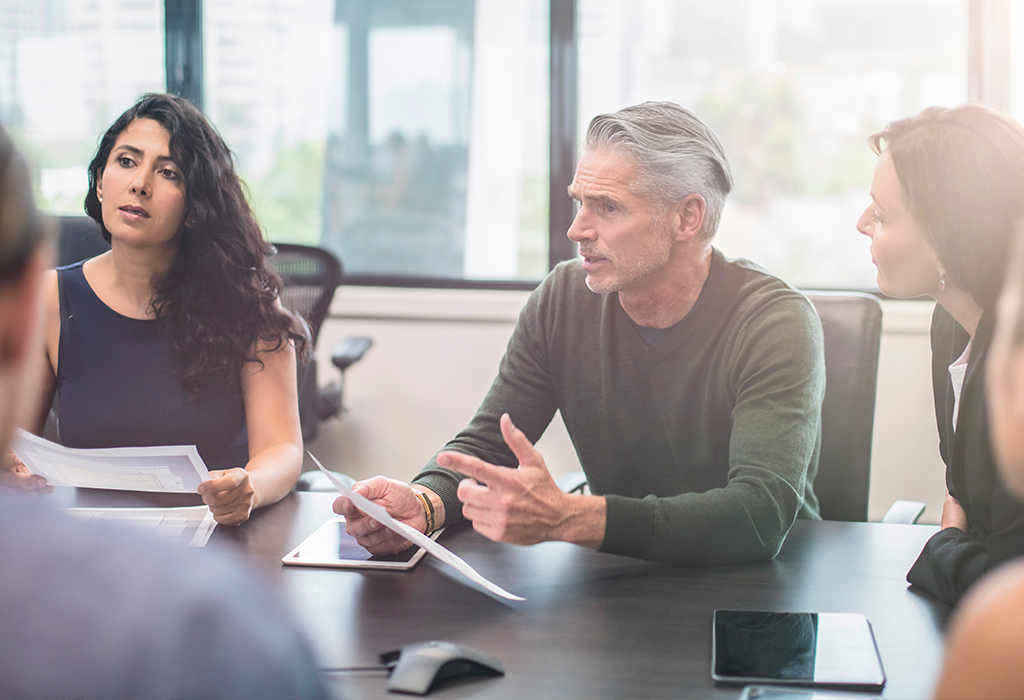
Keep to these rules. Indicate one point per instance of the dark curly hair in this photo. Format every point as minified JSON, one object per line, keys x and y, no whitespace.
{"x":217,"y":301}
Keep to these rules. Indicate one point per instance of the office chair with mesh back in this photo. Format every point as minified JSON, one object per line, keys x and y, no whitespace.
{"x":852,"y":327}
{"x":310,"y":276}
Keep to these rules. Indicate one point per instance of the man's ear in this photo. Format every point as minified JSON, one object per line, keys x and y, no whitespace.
{"x":20,"y":301}
{"x":688,"y":217}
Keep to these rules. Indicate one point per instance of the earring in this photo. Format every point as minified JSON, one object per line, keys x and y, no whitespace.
{"x":942,"y":280}
{"x":100,"y":197}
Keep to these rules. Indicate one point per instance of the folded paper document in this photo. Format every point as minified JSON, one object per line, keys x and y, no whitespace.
{"x":191,"y":525}
{"x":169,"y":469}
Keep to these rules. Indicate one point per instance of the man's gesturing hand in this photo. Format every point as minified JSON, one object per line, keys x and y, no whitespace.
{"x":397,"y":498}
{"x":524,"y":505}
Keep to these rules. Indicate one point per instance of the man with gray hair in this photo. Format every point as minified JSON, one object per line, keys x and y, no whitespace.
{"x":690,"y":384}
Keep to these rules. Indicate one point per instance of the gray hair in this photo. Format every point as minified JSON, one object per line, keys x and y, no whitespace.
{"x":676,"y":153}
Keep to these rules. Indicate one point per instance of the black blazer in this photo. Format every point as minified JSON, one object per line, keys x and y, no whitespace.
{"x":953,"y":560}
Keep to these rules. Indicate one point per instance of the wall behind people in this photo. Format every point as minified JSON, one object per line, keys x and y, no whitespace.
{"x":436,"y":351}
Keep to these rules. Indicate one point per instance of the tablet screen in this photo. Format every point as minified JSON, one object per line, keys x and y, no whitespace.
{"x":330,"y":545}
{"x":829,"y":649}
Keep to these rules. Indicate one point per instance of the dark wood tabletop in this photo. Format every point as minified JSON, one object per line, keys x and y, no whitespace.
{"x":593,"y":625}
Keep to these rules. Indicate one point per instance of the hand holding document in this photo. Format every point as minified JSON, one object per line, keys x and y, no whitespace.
{"x":167,"y":469}
{"x":381,"y":515}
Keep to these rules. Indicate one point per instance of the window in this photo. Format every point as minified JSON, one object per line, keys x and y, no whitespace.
{"x":413,"y":138}
{"x":793,"y":88}
{"x":64,"y":78}
{"x":408,"y":137}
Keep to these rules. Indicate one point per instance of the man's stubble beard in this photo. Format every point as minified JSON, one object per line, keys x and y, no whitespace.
{"x":643,"y":264}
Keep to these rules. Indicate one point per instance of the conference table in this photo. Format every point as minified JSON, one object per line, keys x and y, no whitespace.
{"x":593,"y":625}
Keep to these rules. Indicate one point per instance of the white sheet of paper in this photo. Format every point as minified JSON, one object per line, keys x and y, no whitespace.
{"x":381,"y":515}
{"x":168,"y":469}
{"x":190,"y":524}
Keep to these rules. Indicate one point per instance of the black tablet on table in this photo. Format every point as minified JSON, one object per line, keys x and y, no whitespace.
{"x":834,"y":650}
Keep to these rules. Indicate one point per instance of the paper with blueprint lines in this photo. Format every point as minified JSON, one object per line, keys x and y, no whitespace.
{"x":381,"y":515}
{"x":167,"y":469}
{"x":191,"y":525}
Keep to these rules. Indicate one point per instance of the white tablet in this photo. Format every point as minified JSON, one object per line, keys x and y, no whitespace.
{"x":331,"y":546}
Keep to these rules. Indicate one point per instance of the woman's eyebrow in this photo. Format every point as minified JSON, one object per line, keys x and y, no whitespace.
{"x":130,"y":149}
{"x":139,"y":152}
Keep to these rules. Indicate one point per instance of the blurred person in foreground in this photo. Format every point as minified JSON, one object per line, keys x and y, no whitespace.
{"x":691,"y":384}
{"x":91,"y":611}
{"x":986,"y":636}
{"x":947,"y":191}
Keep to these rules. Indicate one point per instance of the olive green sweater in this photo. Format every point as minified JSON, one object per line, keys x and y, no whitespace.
{"x":704,"y":444}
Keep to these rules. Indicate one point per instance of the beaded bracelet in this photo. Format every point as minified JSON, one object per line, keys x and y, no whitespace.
{"x":428,"y":511}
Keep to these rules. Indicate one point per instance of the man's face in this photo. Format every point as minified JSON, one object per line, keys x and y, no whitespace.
{"x":624,"y":240}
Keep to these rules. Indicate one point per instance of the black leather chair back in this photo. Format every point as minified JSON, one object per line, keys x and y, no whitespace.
{"x":79,"y":239}
{"x":852,"y":325}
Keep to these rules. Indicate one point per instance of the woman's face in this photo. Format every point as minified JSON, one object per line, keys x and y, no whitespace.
{"x":141,"y":189}
{"x":1005,"y":388}
{"x":907,"y":263}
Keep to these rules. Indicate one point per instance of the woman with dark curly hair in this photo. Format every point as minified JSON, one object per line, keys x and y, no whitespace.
{"x":176,"y":335}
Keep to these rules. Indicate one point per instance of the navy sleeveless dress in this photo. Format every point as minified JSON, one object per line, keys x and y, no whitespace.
{"x":118,"y":384}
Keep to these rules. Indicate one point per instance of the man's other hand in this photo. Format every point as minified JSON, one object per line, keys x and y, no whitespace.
{"x":524,"y":505}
